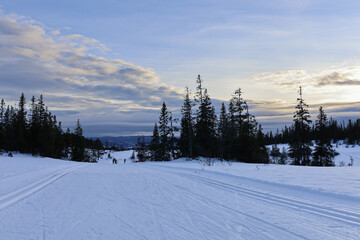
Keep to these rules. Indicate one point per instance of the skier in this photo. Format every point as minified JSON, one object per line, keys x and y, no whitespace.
{"x":124,"y":160}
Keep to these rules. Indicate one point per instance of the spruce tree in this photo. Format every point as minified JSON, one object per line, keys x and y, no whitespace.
{"x":34,"y":127}
{"x":172,"y":139}
{"x":242,"y":140}
{"x":78,"y":144}
{"x":205,"y":127}
{"x":164,"y":133}
{"x":10,"y":131}
{"x":223,"y":132}
{"x":141,"y":149}
{"x":20,"y":125}
{"x":300,"y":143}
{"x":324,"y":152}
{"x":187,"y":127}
{"x":232,"y":131}
{"x":2,"y":125}
{"x":154,"y":147}
{"x":260,"y":149}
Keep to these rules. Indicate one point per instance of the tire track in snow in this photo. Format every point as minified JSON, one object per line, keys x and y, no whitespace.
{"x":18,"y":195}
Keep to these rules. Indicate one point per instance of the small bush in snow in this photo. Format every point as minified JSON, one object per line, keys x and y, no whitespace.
{"x":207,"y":161}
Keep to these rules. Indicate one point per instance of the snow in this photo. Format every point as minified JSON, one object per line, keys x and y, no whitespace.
{"x":346,"y":151}
{"x":42,"y":198}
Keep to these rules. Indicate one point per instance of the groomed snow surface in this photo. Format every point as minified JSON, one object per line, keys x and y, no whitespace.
{"x":42,"y":198}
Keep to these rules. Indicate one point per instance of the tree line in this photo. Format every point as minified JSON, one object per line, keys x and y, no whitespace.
{"x":39,"y":133}
{"x":236,"y":135}
{"x":301,"y":134}
{"x":344,"y":130}
{"x":233,"y":135}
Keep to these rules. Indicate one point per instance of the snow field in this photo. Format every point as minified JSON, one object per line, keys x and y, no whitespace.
{"x":55,"y":199}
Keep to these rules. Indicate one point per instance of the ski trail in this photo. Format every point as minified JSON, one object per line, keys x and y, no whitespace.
{"x":346,"y":216}
{"x":322,"y":231}
{"x":340,"y":215}
{"x":30,"y":173}
{"x":207,"y":201}
{"x":183,"y":208}
{"x":154,"y":212}
{"x":26,"y":191}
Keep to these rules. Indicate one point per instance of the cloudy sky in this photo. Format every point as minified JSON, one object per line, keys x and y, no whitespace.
{"x":112,"y":63}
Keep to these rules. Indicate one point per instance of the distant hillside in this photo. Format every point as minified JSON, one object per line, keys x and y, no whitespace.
{"x":122,"y":141}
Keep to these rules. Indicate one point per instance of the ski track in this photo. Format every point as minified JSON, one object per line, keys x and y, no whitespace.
{"x":18,"y":195}
{"x":272,"y":199}
{"x":207,"y":203}
{"x":342,"y":215}
{"x":154,"y":212}
{"x":183,"y":209}
{"x":31,"y":173}
{"x":330,"y":235}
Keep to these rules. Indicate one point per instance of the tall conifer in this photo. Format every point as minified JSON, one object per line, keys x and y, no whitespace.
{"x":324,"y":153}
{"x":300,"y":143}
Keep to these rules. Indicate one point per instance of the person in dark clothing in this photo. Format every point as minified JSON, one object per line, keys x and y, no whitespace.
{"x":124,"y":160}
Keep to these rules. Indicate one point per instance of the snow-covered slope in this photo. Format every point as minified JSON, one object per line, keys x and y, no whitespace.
{"x":54,"y":199}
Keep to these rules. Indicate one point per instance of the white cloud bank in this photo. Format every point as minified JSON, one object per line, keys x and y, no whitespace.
{"x":64,"y":68}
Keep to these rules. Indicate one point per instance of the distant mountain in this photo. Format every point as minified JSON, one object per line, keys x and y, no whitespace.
{"x":122,"y":141}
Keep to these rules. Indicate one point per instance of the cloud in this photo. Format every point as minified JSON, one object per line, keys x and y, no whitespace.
{"x":342,"y":77}
{"x":291,"y":79}
{"x":74,"y":78}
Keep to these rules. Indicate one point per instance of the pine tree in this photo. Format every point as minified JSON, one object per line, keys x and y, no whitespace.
{"x":205,"y":127}
{"x":244,"y":140}
{"x":300,"y":143}
{"x":34,"y":127}
{"x":259,"y":148}
{"x":275,"y":153}
{"x":154,"y":147}
{"x":9,"y":129}
{"x":20,"y":125}
{"x":232,"y":132}
{"x":141,"y":149}
{"x":172,"y":139}
{"x":2,"y":124}
{"x":164,"y":134}
{"x":223,"y":132}
{"x":78,"y":144}
{"x":187,"y":127}
{"x":99,"y":147}
{"x":240,"y":140}
{"x":324,"y":152}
